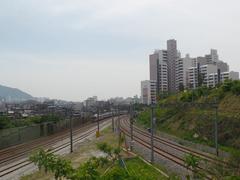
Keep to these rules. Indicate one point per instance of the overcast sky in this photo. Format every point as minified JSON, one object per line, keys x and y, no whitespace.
{"x":72,"y":49}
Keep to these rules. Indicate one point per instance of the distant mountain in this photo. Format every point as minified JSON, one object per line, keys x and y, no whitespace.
{"x":9,"y":94}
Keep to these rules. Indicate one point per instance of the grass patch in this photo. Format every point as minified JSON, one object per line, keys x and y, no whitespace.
{"x":138,"y":169}
{"x":82,"y":152}
{"x":135,"y":166}
{"x":38,"y":175}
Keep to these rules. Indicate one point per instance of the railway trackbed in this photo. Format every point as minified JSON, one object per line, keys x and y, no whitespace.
{"x":13,"y":160}
{"x":170,"y":150}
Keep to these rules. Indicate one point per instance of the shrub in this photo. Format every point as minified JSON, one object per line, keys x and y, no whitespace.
{"x":52,"y":163}
{"x":62,"y":168}
{"x":235,"y":89}
{"x":5,"y":122}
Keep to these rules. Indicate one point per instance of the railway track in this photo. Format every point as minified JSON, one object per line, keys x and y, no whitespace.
{"x":57,"y":136}
{"x":179,"y":147}
{"x":165,"y":154}
{"x":26,"y":162}
{"x":140,"y":138}
{"x":20,"y":152}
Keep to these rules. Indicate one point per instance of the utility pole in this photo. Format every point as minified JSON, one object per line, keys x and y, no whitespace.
{"x":71,"y":132}
{"x":152,"y":129}
{"x":216,"y":127}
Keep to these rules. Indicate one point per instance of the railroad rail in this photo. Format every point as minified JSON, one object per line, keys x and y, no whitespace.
{"x":20,"y":152}
{"x":21,"y":164}
{"x":181,"y":148}
{"x":141,"y":136}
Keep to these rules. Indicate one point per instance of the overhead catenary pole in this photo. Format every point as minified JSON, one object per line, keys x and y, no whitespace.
{"x":98,"y":128}
{"x":216,"y":128}
{"x":119,"y":130}
{"x":71,"y":132}
{"x":131,"y":126}
{"x":112,"y":120}
{"x":98,"y":120}
{"x":152,"y":129}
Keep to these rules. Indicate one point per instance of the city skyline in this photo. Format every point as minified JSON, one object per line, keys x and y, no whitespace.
{"x":74,"y":50}
{"x":171,"y":73}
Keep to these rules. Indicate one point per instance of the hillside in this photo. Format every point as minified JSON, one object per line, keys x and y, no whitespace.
{"x":182,"y":116}
{"x":12,"y":94}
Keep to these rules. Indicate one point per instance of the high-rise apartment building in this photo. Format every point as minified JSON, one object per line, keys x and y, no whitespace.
{"x":229,"y":75}
{"x":173,"y":73}
{"x":192,"y":77}
{"x":208,"y":75}
{"x":163,"y":67}
{"x":213,"y":79}
{"x":148,"y":92}
{"x":222,"y":66}
{"x":172,"y":56}
{"x":201,"y":75}
{"x":213,"y":56}
{"x":159,"y":70}
{"x":182,"y":65}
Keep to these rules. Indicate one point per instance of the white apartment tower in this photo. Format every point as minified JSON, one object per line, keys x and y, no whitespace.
{"x":182,"y":65}
{"x":159,"y":70}
{"x":199,"y":75}
{"x":229,"y":75}
{"x":192,"y":77}
{"x":173,"y":73}
{"x":148,"y":92}
{"x":213,"y":79}
{"x":209,"y":75}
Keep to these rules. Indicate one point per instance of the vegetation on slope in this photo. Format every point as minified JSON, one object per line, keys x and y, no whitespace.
{"x":196,"y":123}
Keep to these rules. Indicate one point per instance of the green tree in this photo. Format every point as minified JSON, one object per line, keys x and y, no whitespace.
{"x":5,"y":122}
{"x":181,"y":87}
{"x":87,"y":171}
{"x":62,"y":168}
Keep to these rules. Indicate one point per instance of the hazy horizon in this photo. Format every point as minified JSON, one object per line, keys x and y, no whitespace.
{"x":71,"y":50}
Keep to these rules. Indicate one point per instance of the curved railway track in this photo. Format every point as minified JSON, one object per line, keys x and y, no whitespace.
{"x":179,"y":147}
{"x":141,"y":136}
{"x":177,"y":160}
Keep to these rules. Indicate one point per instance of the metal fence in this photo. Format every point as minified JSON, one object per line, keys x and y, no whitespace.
{"x":13,"y":136}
